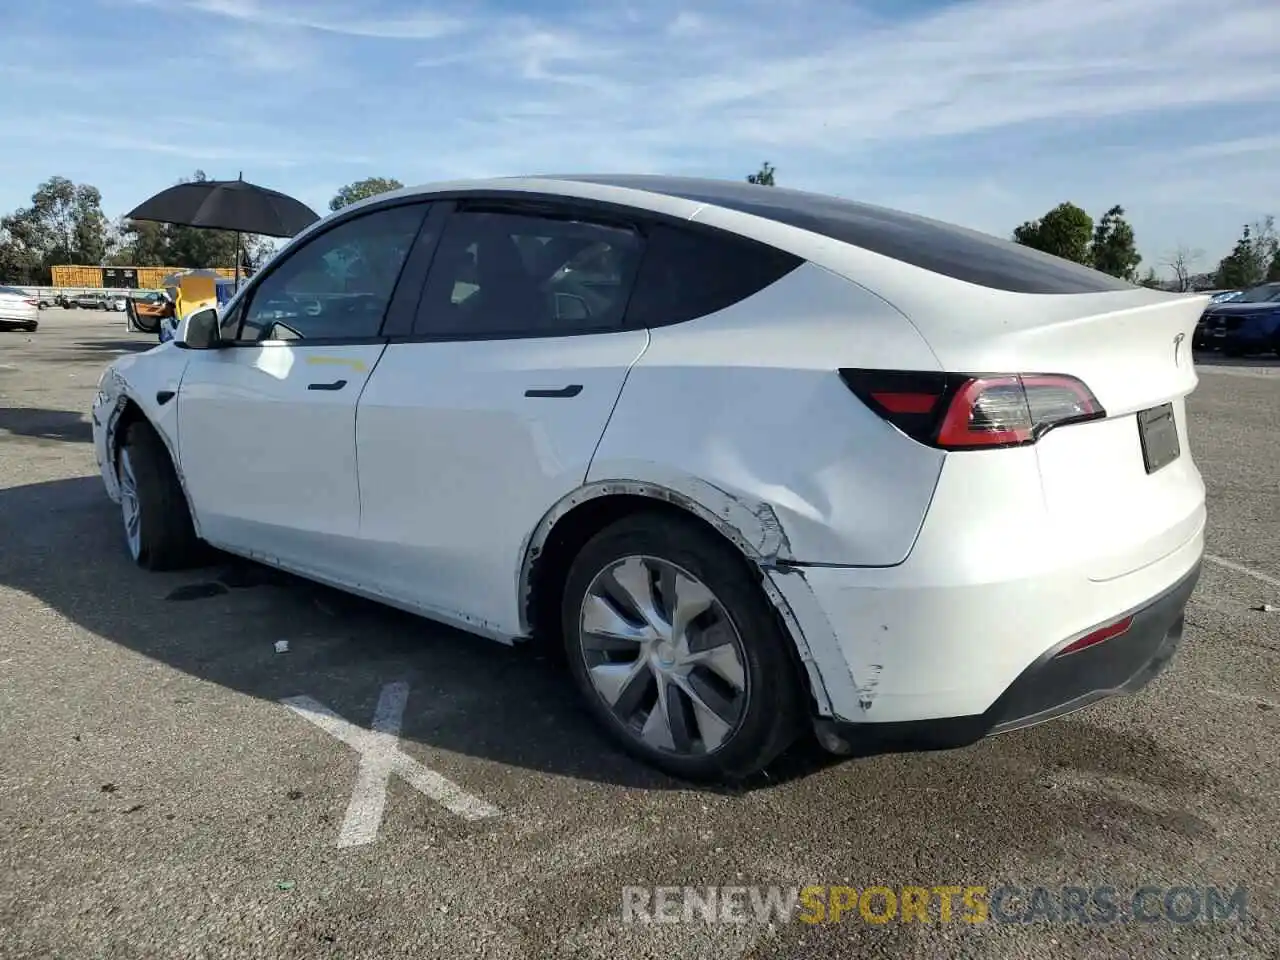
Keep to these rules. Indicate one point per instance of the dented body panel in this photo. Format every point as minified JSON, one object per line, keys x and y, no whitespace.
{"x":749,"y":402}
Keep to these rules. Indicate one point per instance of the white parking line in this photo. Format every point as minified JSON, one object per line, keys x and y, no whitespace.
{"x":1241,"y":568}
{"x":380,"y":757}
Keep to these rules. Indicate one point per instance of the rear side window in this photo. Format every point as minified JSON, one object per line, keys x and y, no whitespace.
{"x":500,"y":274}
{"x":687,"y":274}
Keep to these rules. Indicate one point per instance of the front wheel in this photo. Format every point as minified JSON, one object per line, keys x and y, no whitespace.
{"x":157,"y":524}
{"x":677,"y":652}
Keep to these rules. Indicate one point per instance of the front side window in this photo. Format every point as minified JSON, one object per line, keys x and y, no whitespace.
{"x":337,"y":285}
{"x":502,"y":274}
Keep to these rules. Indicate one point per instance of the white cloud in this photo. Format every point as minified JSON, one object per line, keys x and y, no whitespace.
{"x":983,"y":111}
{"x":1242,"y":145}
{"x":356,"y":20}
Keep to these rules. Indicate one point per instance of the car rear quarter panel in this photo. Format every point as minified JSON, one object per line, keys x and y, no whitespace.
{"x":745,"y":408}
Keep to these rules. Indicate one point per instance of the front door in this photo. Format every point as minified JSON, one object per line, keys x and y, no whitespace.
{"x":470,"y":434}
{"x":266,"y":423}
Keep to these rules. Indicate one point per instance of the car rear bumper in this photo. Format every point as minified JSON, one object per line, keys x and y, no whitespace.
{"x":1054,"y":685}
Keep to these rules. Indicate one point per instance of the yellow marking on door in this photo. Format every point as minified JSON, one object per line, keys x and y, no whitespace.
{"x":356,"y":365}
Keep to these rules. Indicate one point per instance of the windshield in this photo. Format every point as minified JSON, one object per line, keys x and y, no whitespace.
{"x":1262,"y":294}
{"x":12,"y":290}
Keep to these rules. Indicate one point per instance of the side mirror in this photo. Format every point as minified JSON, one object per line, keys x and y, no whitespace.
{"x":198,"y":331}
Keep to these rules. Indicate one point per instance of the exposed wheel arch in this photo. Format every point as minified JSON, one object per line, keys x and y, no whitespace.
{"x":127,"y":412}
{"x":567,"y":527}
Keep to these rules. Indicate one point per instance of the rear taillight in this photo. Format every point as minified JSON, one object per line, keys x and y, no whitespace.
{"x":965,"y":412}
{"x":31,"y":303}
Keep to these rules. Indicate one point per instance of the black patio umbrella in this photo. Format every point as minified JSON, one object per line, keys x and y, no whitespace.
{"x":227,"y":205}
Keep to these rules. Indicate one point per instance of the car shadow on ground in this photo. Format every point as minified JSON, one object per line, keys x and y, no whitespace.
{"x":513,"y":705}
{"x":46,"y":424}
{"x":100,"y":351}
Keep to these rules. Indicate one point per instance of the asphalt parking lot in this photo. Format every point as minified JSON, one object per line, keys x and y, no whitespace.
{"x":170,"y":784}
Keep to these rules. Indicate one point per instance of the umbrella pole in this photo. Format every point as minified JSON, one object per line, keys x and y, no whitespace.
{"x":239,"y":176}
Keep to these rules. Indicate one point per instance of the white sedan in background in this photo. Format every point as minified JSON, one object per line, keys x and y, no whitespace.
{"x":762,"y":459}
{"x":19,"y":310}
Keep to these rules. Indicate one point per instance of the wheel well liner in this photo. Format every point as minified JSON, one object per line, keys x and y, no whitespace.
{"x":566,"y":529}
{"x":128,"y":412}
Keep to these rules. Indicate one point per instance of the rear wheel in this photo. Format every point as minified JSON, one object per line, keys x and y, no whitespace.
{"x":157,"y":524}
{"x":677,"y":652}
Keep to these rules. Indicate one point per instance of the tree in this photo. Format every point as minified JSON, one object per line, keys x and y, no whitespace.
{"x":144,"y":244}
{"x":1254,"y":257}
{"x":764,"y":176}
{"x":362,"y":190}
{"x":1065,"y":231}
{"x":1113,"y":249}
{"x":64,"y":224}
{"x":1149,"y":279}
{"x":1181,"y":262}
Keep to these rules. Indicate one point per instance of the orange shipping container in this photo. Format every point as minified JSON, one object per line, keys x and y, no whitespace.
{"x":149,"y":278}
{"x":152,"y":278}
{"x":77,"y":276}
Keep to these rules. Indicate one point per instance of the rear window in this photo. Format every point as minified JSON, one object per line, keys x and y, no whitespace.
{"x":932,"y":245}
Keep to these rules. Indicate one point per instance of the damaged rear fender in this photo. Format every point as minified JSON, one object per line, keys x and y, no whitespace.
{"x":754,"y":528}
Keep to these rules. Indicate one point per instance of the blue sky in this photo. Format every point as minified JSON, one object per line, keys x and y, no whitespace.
{"x":982,"y":112}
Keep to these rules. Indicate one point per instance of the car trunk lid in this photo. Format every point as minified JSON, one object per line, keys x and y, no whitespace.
{"x":1121,"y":491}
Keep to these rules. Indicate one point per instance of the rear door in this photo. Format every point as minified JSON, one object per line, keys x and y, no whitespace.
{"x":490,"y":410}
{"x":266,"y":425}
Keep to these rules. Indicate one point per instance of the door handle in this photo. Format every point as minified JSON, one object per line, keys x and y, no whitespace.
{"x":336,"y":385}
{"x":572,"y":390}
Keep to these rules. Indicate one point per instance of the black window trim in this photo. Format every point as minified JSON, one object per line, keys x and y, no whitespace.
{"x":399,"y":291}
{"x":606,"y":212}
{"x":544,"y":206}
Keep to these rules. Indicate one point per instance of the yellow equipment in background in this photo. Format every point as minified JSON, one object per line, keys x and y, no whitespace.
{"x":191,"y":290}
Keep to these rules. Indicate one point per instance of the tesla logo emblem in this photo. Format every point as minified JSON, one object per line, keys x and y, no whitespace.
{"x":1177,"y":349}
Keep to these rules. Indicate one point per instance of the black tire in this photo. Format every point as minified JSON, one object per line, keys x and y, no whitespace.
{"x":773,"y":714}
{"x":167,"y":537}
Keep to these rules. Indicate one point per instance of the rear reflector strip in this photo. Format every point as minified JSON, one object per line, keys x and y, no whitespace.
{"x":906,"y":402}
{"x":1098,"y":636}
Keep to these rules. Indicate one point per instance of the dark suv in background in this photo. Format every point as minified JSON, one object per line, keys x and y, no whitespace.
{"x":1248,"y":323}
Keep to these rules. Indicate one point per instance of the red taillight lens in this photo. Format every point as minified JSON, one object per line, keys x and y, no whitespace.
{"x":1109,"y":632}
{"x":31,"y":303}
{"x":963,"y":412}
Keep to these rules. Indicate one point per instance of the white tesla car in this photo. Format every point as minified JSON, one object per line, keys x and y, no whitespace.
{"x":763,"y":458}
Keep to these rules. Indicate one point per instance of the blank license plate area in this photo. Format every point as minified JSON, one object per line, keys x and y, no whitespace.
{"x":1158,"y":432}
